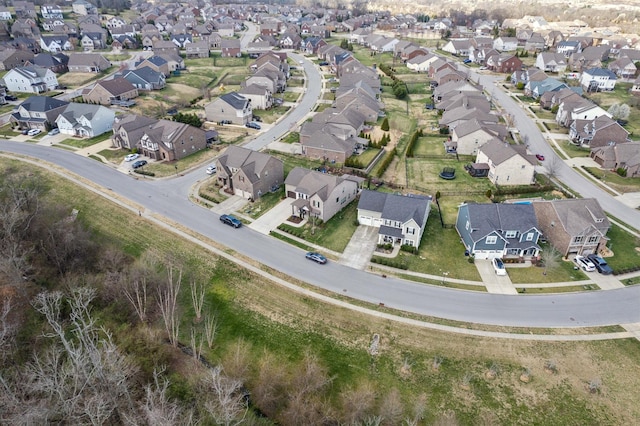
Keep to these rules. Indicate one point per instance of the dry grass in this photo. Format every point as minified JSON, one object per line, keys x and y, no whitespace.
{"x":77,"y":78}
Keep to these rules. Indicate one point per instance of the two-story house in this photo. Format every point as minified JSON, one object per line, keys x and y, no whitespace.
{"x":37,"y":112}
{"x":230,"y":107}
{"x":85,"y":121}
{"x":248,"y":173}
{"x":401,"y":219}
{"x":508,"y":164}
{"x":30,"y":79}
{"x":500,"y":230}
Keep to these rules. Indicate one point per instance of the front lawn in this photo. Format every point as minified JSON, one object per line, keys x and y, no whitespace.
{"x":625,"y":247}
{"x":83,"y":143}
{"x":163,"y":169}
{"x":263,"y":204}
{"x":565,"y":272}
{"x":114,"y":155}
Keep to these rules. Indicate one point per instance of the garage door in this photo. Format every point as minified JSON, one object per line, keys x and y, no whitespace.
{"x":365,"y":220}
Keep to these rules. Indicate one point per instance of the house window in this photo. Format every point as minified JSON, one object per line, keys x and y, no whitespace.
{"x":530,"y":236}
{"x":491,"y":239}
{"x":593,"y":239}
{"x":337,"y":199}
{"x":578,"y":240}
{"x":511,"y":234}
{"x":410,"y":230}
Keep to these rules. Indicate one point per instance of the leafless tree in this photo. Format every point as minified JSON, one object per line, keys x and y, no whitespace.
{"x":7,"y":328}
{"x":158,"y":409}
{"x":391,"y":408}
{"x":168,"y":303}
{"x":210,"y":328}
{"x":553,"y":167}
{"x":448,"y":418}
{"x":550,"y":258}
{"x":227,"y":404}
{"x":136,"y":293}
{"x":236,"y":360}
{"x":197,"y":298}
{"x":83,"y":377}
{"x":357,"y":402}
{"x":268,"y":390}
{"x":419,"y":408}
{"x":196,"y":342}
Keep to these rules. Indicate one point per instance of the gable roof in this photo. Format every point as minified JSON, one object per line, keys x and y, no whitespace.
{"x":311,"y":182}
{"x":116,"y":86}
{"x":500,"y":152}
{"x":252,"y":162}
{"x":401,"y":208}
{"x":234,"y":99}
{"x":485,"y":219}
{"x":42,"y":103}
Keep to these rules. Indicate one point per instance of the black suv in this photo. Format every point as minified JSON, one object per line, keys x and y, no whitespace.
{"x":139,"y":164}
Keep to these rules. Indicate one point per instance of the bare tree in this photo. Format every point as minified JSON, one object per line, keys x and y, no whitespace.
{"x":550,"y":258}
{"x":136,"y":293}
{"x":419,"y":407}
{"x":196,"y":342}
{"x":158,"y":409}
{"x":357,"y":402}
{"x":210,"y":328}
{"x":553,"y":167}
{"x":227,"y":405}
{"x":7,"y":328}
{"x":268,"y":391}
{"x":168,"y":303}
{"x":236,"y":360}
{"x":197,"y":298}
{"x":391,"y":408}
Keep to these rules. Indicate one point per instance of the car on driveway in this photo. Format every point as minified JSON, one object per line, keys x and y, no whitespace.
{"x":54,"y":132}
{"x":584,"y":263}
{"x":601,"y":265}
{"x":34,"y":132}
{"x":540,"y":157}
{"x":498,"y":266}
{"x":139,"y":164}
{"x":230,"y":220}
{"x":211,"y":170}
{"x":131,"y":157}
{"x":316,"y":257}
{"x":253,"y":125}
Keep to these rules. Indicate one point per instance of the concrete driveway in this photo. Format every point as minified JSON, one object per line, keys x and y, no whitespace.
{"x":235,"y":203}
{"x":274,"y":217}
{"x":360,"y":248}
{"x":499,"y":284}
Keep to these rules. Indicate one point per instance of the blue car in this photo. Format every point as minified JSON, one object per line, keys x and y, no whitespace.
{"x":230,"y":220}
{"x":600,"y":264}
{"x":316,"y":257}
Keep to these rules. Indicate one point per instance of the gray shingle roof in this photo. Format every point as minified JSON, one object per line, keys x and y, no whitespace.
{"x":396,"y":207}
{"x":487,"y":218}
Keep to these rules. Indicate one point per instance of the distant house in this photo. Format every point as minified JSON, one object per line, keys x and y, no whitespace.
{"x":573,"y":226}
{"x":109,"y":92}
{"x":317,"y":194}
{"x":11,"y":58}
{"x":508,"y":165}
{"x":499,"y":230}
{"x":51,"y":11}
{"x":145,"y":79}
{"x":598,"y":80}
{"x":458,"y":47}
{"x":198,"y":49}
{"x":58,"y":62}
{"x":83,"y":7}
{"x":230,"y":106}
{"x":30,"y":79}
{"x":505,"y":44}
{"x":230,"y":48}
{"x":247,"y":173}
{"x":37,"y":112}
{"x":88,"y":62}
{"x":401,"y":219}
{"x":551,"y":62}
{"x":156,"y":63}
{"x":600,"y":131}
{"x":171,"y":140}
{"x":621,"y":156}
{"x":55,"y":43}
{"x":85,"y":121}
{"x":623,"y":68}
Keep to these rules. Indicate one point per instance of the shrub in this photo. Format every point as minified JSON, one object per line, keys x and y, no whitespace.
{"x":622,"y":172}
{"x":408,"y":248}
{"x":144,"y":172}
{"x":385,"y":125}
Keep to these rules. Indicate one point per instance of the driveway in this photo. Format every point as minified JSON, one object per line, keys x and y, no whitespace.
{"x":274,"y":217}
{"x":235,"y":203}
{"x":358,"y":252}
{"x":497,"y":284}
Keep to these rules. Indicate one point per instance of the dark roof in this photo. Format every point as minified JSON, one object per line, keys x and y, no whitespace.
{"x":42,"y":103}
{"x":146,"y":73}
{"x":395,"y":207}
{"x":489,"y":217}
{"x":235,"y":100}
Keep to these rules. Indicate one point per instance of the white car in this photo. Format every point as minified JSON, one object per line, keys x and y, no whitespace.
{"x":211,"y":170}
{"x":34,"y":132}
{"x":131,"y":157}
{"x":498,"y":266}
{"x":584,"y":263}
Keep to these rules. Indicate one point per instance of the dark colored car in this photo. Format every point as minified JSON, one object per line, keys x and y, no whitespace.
{"x":230,"y":220}
{"x":601,"y":265}
{"x":223,"y":122}
{"x":257,"y":118}
{"x":467,"y":61}
{"x":253,"y":125}
{"x":540,"y":157}
{"x":316,"y":257}
{"x":10,"y":98}
{"x":139,"y":164}
{"x":323,"y":63}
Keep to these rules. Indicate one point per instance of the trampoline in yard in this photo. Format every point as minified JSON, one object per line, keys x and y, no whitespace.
{"x":448,"y":173}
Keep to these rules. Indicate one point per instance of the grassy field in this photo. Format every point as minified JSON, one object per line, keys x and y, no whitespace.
{"x":273,"y":321}
{"x":614,"y":180}
{"x":83,"y":143}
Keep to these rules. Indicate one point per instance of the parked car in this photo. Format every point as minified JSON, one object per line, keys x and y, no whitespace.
{"x":540,"y":157}
{"x":257,"y":118}
{"x":223,"y":122}
{"x":601,"y":265}
{"x":10,"y":98}
{"x":34,"y":132}
{"x":230,"y":220}
{"x":584,"y":263}
{"x":498,"y":266}
{"x":131,"y":157}
{"x":253,"y":125}
{"x":53,"y":132}
{"x":467,"y":61}
{"x":211,"y":170}
{"x":139,"y":163}
{"x":323,"y":63}
{"x":316,"y":257}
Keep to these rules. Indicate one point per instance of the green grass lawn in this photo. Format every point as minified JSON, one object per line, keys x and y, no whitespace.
{"x":368,"y":155}
{"x":114,"y":155}
{"x":292,"y":161}
{"x":272,"y":114}
{"x":624,"y":247}
{"x":565,"y":272}
{"x":573,"y":150}
{"x":264,"y":204}
{"x":163,"y":169}
{"x":334,"y":234}
{"x":291,"y":137}
{"x":619,"y":183}
{"x":196,"y":77}
{"x":83,"y":143}
{"x":290,"y":96}
{"x":429,"y":144}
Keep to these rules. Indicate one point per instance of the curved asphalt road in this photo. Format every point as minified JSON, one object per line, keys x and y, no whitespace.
{"x":558,"y":310}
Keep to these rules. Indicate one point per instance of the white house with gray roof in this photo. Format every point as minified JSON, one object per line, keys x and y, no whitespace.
{"x":508,"y":164}
{"x":232,"y":107}
{"x":320,"y":195}
{"x":85,"y":120}
{"x":30,"y":79}
{"x":400,"y":218}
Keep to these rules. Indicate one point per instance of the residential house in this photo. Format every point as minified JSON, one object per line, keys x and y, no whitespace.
{"x":30,"y":79}
{"x":499,"y":230}
{"x":156,"y":63}
{"x":247,"y":173}
{"x":535,"y":43}
{"x":621,"y":156}
{"x":598,"y":80}
{"x":458,"y":47}
{"x":110,"y":92}
{"x":51,"y":11}
{"x":401,"y":219}
{"x":259,"y":96}
{"x":181,"y":40}
{"x":11,"y":58}
{"x":573,"y":226}
{"x":230,"y":107}
{"x":197,"y":49}
{"x":93,"y":40}
{"x":145,"y":79}
{"x":165,"y":46}
{"x":167,"y":140}
{"x":504,"y":63}
{"x":568,"y":47}
{"x":55,"y":43}
{"x":58,"y":62}
{"x":508,"y":164}
{"x":469,"y":135}
{"x":37,"y":112}
{"x":230,"y":48}
{"x":319,"y":195}
{"x":88,"y":62}
{"x":83,"y":7}
{"x":571,"y":109}
{"x":596,"y":132}
{"x":5,"y":14}
{"x":457,"y":116}
{"x":129,"y":129}
{"x":551,"y":62}
{"x":85,"y":121}
{"x":290,"y":40}
{"x":505,"y":44}
{"x":623,"y":68}
{"x":535,"y":89}
{"x":421,"y":63}
{"x":591,"y":57}
{"x":24,"y":9}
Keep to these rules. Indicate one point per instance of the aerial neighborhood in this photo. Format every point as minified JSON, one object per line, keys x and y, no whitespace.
{"x":446,"y":171}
